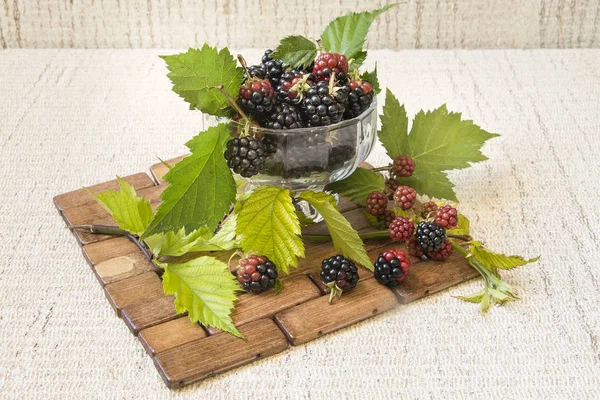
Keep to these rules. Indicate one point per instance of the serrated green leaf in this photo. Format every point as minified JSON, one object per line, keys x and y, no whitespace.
{"x":345,"y":238}
{"x":296,"y":50}
{"x":493,"y":261}
{"x":130,"y":212}
{"x":201,"y":187}
{"x":440,"y":140}
{"x":358,"y":185}
{"x":347,"y":34}
{"x":303,"y":219}
{"x":358,"y":60}
{"x":394,"y":127}
{"x":473,"y":298}
{"x":195,"y":73}
{"x":176,"y":243}
{"x":463,"y":226}
{"x":430,"y":183}
{"x":371,"y":77}
{"x":205,"y":289}
{"x":225,"y":239}
{"x":268,"y":225}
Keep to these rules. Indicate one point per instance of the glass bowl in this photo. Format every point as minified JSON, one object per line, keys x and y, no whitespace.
{"x":310,"y":158}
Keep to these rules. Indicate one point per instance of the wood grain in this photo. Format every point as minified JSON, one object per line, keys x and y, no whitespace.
{"x":146,"y":313}
{"x":80,"y":197}
{"x":209,"y":356}
{"x":171,"y":334}
{"x":309,"y":320}
{"x":250,"y":307}
{"x":115,"y":259}
{"x":130,"y":290}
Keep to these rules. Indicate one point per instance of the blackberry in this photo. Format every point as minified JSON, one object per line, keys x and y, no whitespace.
{"x":401,"y":229}
{"x":447,"y":217}
{"x":431,"y":236}
{"x":292,"y":85}
{"x":384,"y":220}
{"x":377,"y":203}
{"x":338,"y":156}
{"x":403,"y":166}
{"x":391,"y":267}
{"x":256,"y":96}
{"x":428,"y":209}
{"x":256,"y":274}
{"x":245,"y":156}
{"x":390,"y":187}
{"x":405,"y":197}
{"x":414,"y":248}
{"x":256,"y":71}
{"x":283,"y":116}
{"x":273,"y":67}
{"x":323,"y":105}
{"x":339,"y":274}
{"x":328,"y":64}
{"x":443,"y":253}
{"x":360,"y":98}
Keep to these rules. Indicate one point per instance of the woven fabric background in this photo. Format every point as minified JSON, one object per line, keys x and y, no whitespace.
{"x":444,"y":24}
{"x":70,"y":118}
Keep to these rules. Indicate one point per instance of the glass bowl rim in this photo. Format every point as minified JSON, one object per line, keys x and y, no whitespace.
{"x":326,"y":128}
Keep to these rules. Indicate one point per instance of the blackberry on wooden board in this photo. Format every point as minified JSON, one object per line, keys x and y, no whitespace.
{"x":391,"y":267}
{"x":430,"y":235}
{"x":401,"y":228}
{"x":447,"y":217}
{"x":443,"y":253}
{"x":339,"y":274}
{"x":245,"y":156}
{"x":256,"y":274}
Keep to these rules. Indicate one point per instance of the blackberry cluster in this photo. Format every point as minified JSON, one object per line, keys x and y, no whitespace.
{"x":283,"y":116}
{"x":256,"y":274}
{"x":322,"y":106}
{"x":391,"y":267}
{"x":256,"y":97}
{"x":360,"y":97}
{"x":245,"y":156}
{"x":377,"y":203}
{"x":273,"y":67}
{"x":292,"y":84}
{"x":328,"y":64}
{"x":403,"y":166}
{"x":431,"y":236}
{"x":401,"y":228}
{"x":447,"y":217}
{"x":405,"y":197}
{"x":339,"y":273}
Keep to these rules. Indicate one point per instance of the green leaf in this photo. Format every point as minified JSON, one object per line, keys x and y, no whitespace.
{"x":358,"y":185}
{"x":371,"y":77}
{"x":463,"y":226}
{"x":225,"y":239}
{"x":205,"y":288}
{"x":431,"y":183}
{"x":268,"y":225}
{"x":358,"y":60}
{"x":370,"y":217}
{"x":500,"y":297}
{"x":201,"y":187}
{"x":176,"y":243}
{"x":485,"y":303}
{"x":440,"y":140}
{"x":394,"y":127}
{"x":297,"y":51}
{"x":345,"y":238}
{"x":474,"y":298}
{"x":195,"y":73}
{"x":303,"y":219}
{"x":130,"y":212}
{"x":347,"y":34}
{"x":493,"y":261}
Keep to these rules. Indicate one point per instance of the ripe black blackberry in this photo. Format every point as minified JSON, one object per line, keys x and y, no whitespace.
{"x":391,"y":267}
{"x":376,"y":203}
{"x":338,"y":156}
{"x":256,"y":97}
{"x":283,"y":116}
{"x":401,"y":228}
{"x":360,"y":98}
{"x":256,"y":274}
{"x":339,"y":274}
{"x":430,"y":235}
{"x":292,"y":85}
{"x":245,"y":156}
{"x":255,"y":71}
{"x":323,"y":105}
{"x":272,"y":66}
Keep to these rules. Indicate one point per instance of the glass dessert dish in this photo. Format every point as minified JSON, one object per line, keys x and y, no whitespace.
{"x":310,"y":158}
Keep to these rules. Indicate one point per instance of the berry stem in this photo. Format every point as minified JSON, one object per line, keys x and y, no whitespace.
{"x":386,"y":168}
{"x":459,"y":237}
{"x":231,"y":101}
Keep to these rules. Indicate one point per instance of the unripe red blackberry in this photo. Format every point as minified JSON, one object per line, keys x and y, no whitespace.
{"x":384,"y":220}
{"x":256,"y":274}
{"x":401,"y":229}
{"x":377,"y":203}
{"x":405,"y":197}
{"x":390,"y":187}
{"x":414,"y":248}
{"x":403,"y":166}
{"x":327,"y":64}
{"x":428,"y":209}
{"x":391,"y":267}
{"x":447,"y":216}
{"x":443,"y":253}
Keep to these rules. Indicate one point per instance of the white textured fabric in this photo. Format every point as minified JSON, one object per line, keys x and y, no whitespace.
{"x":70,"y":118}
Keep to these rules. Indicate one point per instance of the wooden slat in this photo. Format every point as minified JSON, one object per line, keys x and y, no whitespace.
{"x":316,"y":317}
{"x":146,"y":313}
{"x":250,"y":307}
{"x":171,"y":334}
{"x":428,"y":277}
{"x":80,"y":197}
{"x":214,"y":354}
{"x":130,"y":290}
{"x":159,"y":170}
{"x":116,"y":259}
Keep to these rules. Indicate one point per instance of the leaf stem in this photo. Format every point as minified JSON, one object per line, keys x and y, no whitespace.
{"x":101,"y":229}
{"x":385,"y":168}
{"x":459,"y":237}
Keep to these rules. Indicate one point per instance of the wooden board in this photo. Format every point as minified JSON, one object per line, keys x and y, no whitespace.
{"x":184,"y":352}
